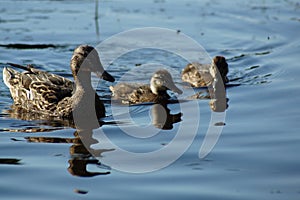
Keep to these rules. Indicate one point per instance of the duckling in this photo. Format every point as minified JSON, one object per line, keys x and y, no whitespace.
{"x":156,"y":92}
{"x":52,"y":95}
{"x":201,"y":75}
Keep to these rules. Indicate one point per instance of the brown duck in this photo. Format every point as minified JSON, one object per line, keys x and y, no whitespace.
{"x":201,"y":75}
{"x":156,"y":92}
{"x":52,"y":95}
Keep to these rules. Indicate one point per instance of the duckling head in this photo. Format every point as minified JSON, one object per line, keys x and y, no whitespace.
{"x":162,"y":81}
{"x":86,"y":58}
{"x":220,"y":64}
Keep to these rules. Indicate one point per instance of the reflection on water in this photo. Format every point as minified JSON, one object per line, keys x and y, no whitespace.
{"x":216,"y":93}
{"x":43,"y":123}
{"x":162,"y":118}
{"x":31,"y":46}
{"x":80,"y":157}
{"x":80,"y":152}
{"x":258,"y":150}
{"x":218,"y":102}
{"x":10,"y":161}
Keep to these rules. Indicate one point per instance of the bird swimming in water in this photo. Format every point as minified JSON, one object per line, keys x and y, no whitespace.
{"x":202,"y":75}
{"x":156,"y":92}
{"x":52,"y":95}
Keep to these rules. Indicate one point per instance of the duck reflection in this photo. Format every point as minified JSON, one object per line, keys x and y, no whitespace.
{"x":216,"y":92}
{"x":162,"y":118}
{"x":80,"y":157}
{"x":43,"y":123}
{"x":219,"y":101}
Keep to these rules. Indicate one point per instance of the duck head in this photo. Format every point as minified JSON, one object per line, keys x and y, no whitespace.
{"x":162,"y":81}
{"x":219,"y":63}
{"x":86,"y":59}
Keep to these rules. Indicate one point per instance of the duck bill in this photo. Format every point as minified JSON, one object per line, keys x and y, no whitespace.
{"x":106,"y":76}
{"x":174,"y":88}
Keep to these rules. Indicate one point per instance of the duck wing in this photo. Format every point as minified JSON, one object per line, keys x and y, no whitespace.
{"x":122,"y":91}
{"x":135,"y":93}
{"x":143,"y":94}
{"x":36,"y":90}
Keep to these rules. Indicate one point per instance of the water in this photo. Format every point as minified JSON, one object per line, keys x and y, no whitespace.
{"x":256,"y":156}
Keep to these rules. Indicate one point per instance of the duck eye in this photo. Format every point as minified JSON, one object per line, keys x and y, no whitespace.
{"x":158,"y":82}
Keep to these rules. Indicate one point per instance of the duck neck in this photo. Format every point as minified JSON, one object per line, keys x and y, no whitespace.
{"x":162,"y":93}
{"x":86,"y":108}
{"x":83,"y":81}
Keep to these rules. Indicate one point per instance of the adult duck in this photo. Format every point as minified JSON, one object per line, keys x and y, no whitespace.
{"x":156,"y":92}
{"x":52,"y":95}
{"x":200,"y":75}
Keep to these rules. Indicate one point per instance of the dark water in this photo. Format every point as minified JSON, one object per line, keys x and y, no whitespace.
{"x":256,"y":154}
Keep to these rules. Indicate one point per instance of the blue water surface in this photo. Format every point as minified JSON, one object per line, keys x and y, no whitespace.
{"x":256,"y":156}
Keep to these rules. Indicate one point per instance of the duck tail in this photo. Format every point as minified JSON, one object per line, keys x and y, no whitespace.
{"x":27,"y":68}
{"x":7,"y":76}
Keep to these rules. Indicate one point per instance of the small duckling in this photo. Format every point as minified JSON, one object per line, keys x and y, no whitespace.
{"x":201,"y":75}
{"x":156,"y":92}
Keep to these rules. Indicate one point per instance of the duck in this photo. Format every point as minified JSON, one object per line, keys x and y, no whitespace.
{"x":156,"y":92}
{"x":51,"y":95}
{"x":202,"y":75}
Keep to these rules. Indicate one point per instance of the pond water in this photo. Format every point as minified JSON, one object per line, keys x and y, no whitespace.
{"x":255,"y":155}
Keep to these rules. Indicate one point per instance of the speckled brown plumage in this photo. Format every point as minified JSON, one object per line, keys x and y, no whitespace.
{"x":48,"y":94}
{"x":156,"y":92}
{"x":201,"y":75}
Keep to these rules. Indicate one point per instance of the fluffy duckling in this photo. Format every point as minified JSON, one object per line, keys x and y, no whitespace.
{"x":49,"y":94}
{"x":156,"y":92}
{"x":200,"y":75}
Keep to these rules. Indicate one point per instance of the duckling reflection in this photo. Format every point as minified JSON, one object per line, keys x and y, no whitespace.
{"x":162,"y":118}
{"x":218,"y":105}
{"x":80,"y":157}
{"x":216,"y":93}
{"x":219,"y":101}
